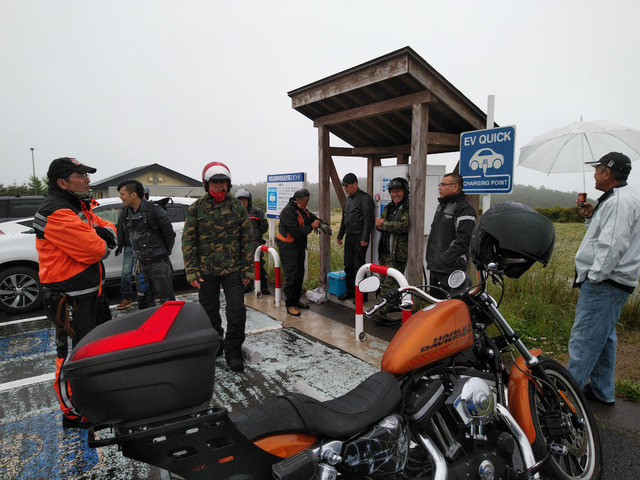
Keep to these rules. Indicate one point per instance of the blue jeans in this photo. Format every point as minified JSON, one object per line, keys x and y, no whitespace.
{"x":127,"y":272}
{"x":592,"y":346}
{"x":158,"y":275}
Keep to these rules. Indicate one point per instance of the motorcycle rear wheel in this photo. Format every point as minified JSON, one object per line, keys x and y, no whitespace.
{"x":584,"y":460}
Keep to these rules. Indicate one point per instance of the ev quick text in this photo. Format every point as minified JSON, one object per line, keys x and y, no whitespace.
{"x":488,"y":138}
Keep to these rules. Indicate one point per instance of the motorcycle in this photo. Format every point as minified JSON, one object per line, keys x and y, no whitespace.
{"x":445,"y":405}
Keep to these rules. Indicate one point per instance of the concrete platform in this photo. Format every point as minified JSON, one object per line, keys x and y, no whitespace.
{"x":332,"y":323}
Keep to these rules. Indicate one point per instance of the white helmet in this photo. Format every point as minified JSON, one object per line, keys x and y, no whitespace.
{"x":215,"y":171}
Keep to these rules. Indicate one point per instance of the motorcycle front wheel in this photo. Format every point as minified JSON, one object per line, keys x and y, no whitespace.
{"x":583,"y":460}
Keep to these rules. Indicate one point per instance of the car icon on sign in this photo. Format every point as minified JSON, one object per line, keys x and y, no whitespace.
{"x":486,"y":158}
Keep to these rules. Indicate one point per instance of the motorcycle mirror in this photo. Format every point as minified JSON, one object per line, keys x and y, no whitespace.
{"x":370,"y":284}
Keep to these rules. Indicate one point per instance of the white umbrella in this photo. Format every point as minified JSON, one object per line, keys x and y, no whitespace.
{"x":566,"y":149}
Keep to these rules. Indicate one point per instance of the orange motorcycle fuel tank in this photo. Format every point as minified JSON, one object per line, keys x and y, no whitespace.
{"x":435,"y":332}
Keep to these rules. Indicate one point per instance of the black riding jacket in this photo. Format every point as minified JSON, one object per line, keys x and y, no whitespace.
{"x":451,"y":229}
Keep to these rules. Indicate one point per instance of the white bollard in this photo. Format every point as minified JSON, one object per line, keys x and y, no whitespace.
{"x":250,"y":354}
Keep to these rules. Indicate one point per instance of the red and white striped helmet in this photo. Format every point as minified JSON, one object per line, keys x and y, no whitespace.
{"x":215,"y":171}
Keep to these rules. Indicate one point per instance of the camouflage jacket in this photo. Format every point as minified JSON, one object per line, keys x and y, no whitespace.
{"x":217,"y":239}
{"x":394,"y":240}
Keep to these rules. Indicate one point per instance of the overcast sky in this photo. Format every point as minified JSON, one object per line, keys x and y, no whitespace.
{"x":124,"y":83}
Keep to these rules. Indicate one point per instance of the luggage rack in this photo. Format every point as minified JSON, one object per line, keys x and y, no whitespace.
{"x":202,"y":445}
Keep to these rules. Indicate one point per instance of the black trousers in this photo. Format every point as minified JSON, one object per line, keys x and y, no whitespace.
{"x":292,"y":260}
{"x":87,"y":312}
{"x":235,"y":311}
{"x":354,"y":257}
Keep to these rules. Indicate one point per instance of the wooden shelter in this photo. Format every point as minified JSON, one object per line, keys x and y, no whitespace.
{"x":397,"y":106}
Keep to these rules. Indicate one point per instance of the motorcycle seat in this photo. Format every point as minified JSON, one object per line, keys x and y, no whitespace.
{"x":342,"y":417}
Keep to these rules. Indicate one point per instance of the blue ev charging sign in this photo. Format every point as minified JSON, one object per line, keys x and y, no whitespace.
{"x":487,"y":160}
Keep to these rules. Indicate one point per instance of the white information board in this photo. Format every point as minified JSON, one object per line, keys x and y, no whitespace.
{"x":280,"y":188}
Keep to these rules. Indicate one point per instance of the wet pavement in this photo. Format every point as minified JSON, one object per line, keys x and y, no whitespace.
{"x":34,"y":445}
{"x":319,"y":348}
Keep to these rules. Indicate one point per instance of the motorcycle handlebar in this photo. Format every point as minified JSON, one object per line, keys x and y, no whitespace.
{"x":408,"y":289}
{"x":419,"y":293}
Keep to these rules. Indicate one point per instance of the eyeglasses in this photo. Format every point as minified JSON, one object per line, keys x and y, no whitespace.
{"x":443,"y":184}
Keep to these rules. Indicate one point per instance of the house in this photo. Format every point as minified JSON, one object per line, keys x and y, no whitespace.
{"x":161,"y":181}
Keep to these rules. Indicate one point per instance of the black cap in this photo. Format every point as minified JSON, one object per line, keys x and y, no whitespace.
{"x":349,"y":178}
{"x":615,"y":161}
{"x":63,"y":167}
{"x":301,"y":193}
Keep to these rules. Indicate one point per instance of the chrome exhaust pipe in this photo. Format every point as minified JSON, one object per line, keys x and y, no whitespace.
{"x":528,"y":457}
{"x":440,"y":471}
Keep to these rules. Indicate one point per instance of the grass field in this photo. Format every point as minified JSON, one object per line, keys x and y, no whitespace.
{"x":541,"y":303}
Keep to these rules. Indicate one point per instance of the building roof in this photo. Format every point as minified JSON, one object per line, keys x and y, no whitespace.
{"x":370,"y":105}
{"x":132,"y":173}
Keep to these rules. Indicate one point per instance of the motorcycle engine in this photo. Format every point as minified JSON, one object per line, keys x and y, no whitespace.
{"x":473,"y":400}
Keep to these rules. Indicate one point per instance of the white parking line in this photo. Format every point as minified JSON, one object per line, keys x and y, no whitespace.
{"x":23,"y":320}
{"x":47,"y":377}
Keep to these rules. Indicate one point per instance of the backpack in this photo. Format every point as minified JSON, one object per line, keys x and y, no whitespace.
{"x":151,"y":213}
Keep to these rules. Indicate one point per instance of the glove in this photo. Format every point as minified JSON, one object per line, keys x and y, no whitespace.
{"x":107,"y":235}
{"x":118,"y":250}
{"x":326,"y":228}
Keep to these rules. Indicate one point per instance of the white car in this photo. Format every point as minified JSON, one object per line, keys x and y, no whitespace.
{"x":20,"y":289}
{"x":16,"y":226}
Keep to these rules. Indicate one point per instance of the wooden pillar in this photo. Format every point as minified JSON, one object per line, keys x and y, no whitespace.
{"x":324,"y":200}
{"x":371,"y":162}
{"x":417,"y":186}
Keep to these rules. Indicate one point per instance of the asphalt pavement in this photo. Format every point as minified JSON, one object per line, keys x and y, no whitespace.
{"x":318,"y":348}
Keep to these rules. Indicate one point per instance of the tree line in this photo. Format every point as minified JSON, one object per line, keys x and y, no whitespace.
{"x":34,"y":186}
{"x":558,"y":206}
{"x":537,"y":197}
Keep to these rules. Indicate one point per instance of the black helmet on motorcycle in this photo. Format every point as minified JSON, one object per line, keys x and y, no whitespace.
{"x":514,"y":236}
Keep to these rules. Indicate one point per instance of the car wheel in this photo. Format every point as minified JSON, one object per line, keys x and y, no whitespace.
{"x":20,"y":289}
{"x":474,"y":165}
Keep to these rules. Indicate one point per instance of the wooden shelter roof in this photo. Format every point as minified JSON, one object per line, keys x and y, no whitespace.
{"x":369,"y":106}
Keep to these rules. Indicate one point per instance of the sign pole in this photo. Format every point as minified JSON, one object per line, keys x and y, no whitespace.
{"x":486,"y":198}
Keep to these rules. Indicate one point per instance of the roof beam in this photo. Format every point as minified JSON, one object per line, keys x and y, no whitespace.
{"x":349,"y":80}
{"x":434,"y":139}
{"x":373,"y":109}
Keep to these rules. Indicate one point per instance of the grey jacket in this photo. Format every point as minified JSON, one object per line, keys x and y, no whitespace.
{"x":610,"y":250}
